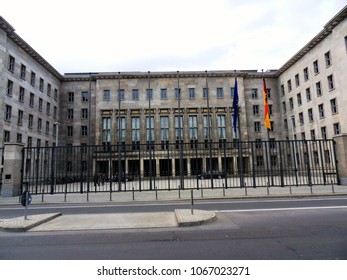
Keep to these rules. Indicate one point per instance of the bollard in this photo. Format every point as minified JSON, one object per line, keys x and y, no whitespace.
{"x":87,"y":196}
{"x":65,"y":193}
{"x":332,"y":186}
{"x":191,"y":202}
{"x":179,"y":192}
{"x":43,"y":193}
{"x":290,"y":189}
{"x":133,"y":194}
{"x":245,"y":188}
{"x":202,"y":192}
{"x":156,"y":193}
{"x":223,"y":190}
{"x":311,"y":188}
{"x":267,"y":187}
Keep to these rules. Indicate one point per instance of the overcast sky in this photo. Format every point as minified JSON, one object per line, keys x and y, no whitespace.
{"x":167,"y":35}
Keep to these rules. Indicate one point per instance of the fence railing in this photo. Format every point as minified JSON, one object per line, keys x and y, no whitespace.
{"x":166,"y":166}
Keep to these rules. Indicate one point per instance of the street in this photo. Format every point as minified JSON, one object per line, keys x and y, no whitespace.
{"x":287,"y":228}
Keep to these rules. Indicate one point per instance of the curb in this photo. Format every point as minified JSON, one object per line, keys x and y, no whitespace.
{"x":21,"y":225}
{"x":186,"y":219}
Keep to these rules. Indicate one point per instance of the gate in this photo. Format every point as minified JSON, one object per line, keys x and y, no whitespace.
{"x":164,"y":166}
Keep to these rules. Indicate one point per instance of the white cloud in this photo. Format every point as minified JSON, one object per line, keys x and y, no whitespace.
{"x":157,"y":35}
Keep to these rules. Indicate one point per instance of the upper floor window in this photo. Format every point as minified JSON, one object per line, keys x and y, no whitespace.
{"x":84,"y":113}
{"x":121,"y":94}
{"x":254,"y":93}
{"x":163,"y":93}
{"x":135,"y":94}
{"x":55,"y":94}
{"x":330,"y":82}
{"x":191,"y":93}
{"x":149,"y":94}
{"x":21,"y":94}
{"x":318,"y":89}
{"x":297,"y":80}
{"x":107,"y":96}
{"x":282,"y":90}
{"x":205,"y":92}
{"x":11,"y":63}
{"x":9,"y":88}
{"x":41,"y":85}
{"x":333,"y":105}
{"x":177,"y":93}
{"x":32,"y":78}
{"x":71,"y":97}
{"x":49,"y":89}
{"x":23,"y":70}
{"x":315,"y":67}
{"x":220,"y":93}
{"x":289,"y":84}
{"x":8,"y":113}
{"x":327,"y":59}
{"x":306,"y":75}
{"x":308,"y":94}
{"x":85,"y":96}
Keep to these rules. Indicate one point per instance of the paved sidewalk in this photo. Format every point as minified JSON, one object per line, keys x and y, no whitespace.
{"x":181,"y":217}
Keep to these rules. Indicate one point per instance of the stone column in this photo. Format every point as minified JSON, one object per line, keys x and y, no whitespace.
{"x":12,"y":169}
{"x":341,"y":156}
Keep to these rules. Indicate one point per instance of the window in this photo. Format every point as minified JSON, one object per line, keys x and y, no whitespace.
{"x":149,"y":94}
{"x":39,"y":124}
{"x":8,"y":113}
{"x":49,"y":90}
{"x":106,"y":131}
{"x":268,"y":92}
{"x":38,"y":143}
{"x":135,"y":94}
{"x":289,"y":85}
{"x":221,"y":127}
{"x":69,"y":115}
{"x":71,"y":97}
{"x":6,"y":136}
{"x":84,"y":113}
{"x":318,"y":89}
{"x":21,"y":94}
{"x":330,"y":82}
{"x":259,"y":160}
{"x":23,"y":70}
{"x":163,"y":93}
{"x":316,"y":67}
{"x":32,"y":78}
{"x":291,"y":104}
{"x":298,"y":97}
{"x":30,"y":141}
{"x":256,"y":110}
{"x":178,"y":127}
{"x":41,"y":84}
{"x":207,"y":125}
{"x":191,"y":93}
{"x":257,"y":126}
{"x":284,"y":107}
{"x":164,"y":128}
{"x":324,"y":132}
{"x":306,"y":75}
{"x":84,"y":130}
{"x":254,"y":93}
{"x":321,"y":110}
{"x":40,"y":104}
{"x":205,"y":92}
{"x":9,"y":88}
{"x":337,"y":129}
{"x":31,"y":100}
{"x":135,"y":129}
{"x":310,"y":114}
{"x":121,"y":95}
{"x":327,"y":59}
{"x":177,"y":93}
{"x":20,"y":117}
{"x":70,"y":131}
{"x":30,"y":121}
{"x":301,"y":118}
{"x":282,"y":90}
{"x":48,"y":108}
{"x":107,"y":96}
{"x":232,"y":91}
{"x":333,"y":105}
{"x":85,"y":96}
{"x":313,"y":134}
{"x":346,"y":42}
{"x":285,"y":123}
{"x":55,"y":112}
{"x":150,"y":129}
{"x":193,"y":127}
{"x":122,"y":126}
{"x":308,"y":94}
{"x":47,"y":127}
{"x":11,"y":63}
{"x":297,"y":80}
{"x":220,"y":93}
{"x":55,"y":94}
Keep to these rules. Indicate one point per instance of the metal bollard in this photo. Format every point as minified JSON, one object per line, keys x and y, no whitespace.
{"x":65,"y":193}
{"x":43,"y":193}
{"x":87,"y":196}
{"x":156,"y":193}
{"x":267,"y":187}
{"x":133,"y":194}
{"x":179,"y":192}
{"x":202,"y":192}
{"x":223,"y":190}
{"x":191,"y":202}
{"x":290,"y":189}
{"x":311,"y":188}
{"x":245,"y":188}
{"x":332,"y":186}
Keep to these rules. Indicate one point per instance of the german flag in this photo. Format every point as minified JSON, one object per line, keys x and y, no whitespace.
{"x":267,"y":122}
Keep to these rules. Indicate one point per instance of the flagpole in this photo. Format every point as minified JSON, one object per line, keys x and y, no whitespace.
{"x":179,"y":129}
{"x":119,"y":138}
{"x":150,"y":130}
{"x":209,"y":128}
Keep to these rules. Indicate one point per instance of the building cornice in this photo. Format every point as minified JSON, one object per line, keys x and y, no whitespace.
{"x":10,"y":31}
{"x":337,"y":19}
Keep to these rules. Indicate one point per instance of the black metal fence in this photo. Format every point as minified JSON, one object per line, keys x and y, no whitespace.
{"x":1,"y":166}
{"x":145,"y":167}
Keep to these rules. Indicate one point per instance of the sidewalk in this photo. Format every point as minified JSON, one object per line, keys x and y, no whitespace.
{"x":181,"y":217}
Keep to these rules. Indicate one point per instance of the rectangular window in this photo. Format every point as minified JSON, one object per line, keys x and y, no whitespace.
{"x":135,"y":129}
{"x":55,"y":112}
{"x":23,"y":70}
{"x":49,"y":89}
{"x":39,"y":124}
{"x":324,"y":132}
{"x":69,"y":114}
{"x":232,"y":91}
{"x":178,"y":127}
{"x":20,"y":117}
{"x":310,"y":114}
{"x":301,"y":118}
{"x":40,"y":104}
{"x":257,"y":126}
{"x":121,"y":94}
{"x":48,"y":109}
{"x":7,"y":136}
{"x":221,"y":127}
{"x":337,"y":129}
{"x":21,"y":94}
{"x":284,"y":107}
{"x":207,"y":127}
{"x":316,"y":67}
{"x":107,"y":96}
{"x":30,"y":141}
{"x":259,"y":160}
{"x":70,"y":131}
{"x":85,"y":96}
{"x":122,"y":129}
{"x":84,"y":130}
{"x":318,"y":89}
{"x":149,"y":94}
{"x":84,"y":113}
{"x":30,"y":121}
{"x":282,"y":90}
{"x":254,"y":93}
{"x":193,"y":127}
{"x":135,"y":94}
{"x":308,"y":94}
{"x":9,"y":88}
{"x":333,"y":105}
{"x":321,"y":110}
{"x":47,"y":127}
{"x":291,"y":104}
{"x":205,"y":92}
{"x":41,"y":84}
{"x":298,"y":97}
{"x":297,"y":80}
{"x":32,"y":78}
{"x":313,"y":134}
{"x":289,"y":84}
{"x":31,"y":100}
{"x":330,"y":82}
{"x":150,"y":129}
{"x":19,"y":138}
{"x":8,"y":113}
{"x":177,"y":93}
{"x":71,"y":97}
{"x":306,"y":75}
{"x":11,"y":63}
{"x":191,"y":93}
{"x":327,"y":59}
{"x":256,"y":110}
{"x":106,"y":131}
{"x":220,"y":93}
{"x":163,"y":93}
{"x":164,"y":128}
{"x":55,"y":94}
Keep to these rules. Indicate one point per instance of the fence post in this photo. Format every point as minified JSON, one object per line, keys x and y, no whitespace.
{"x":12,"y":176}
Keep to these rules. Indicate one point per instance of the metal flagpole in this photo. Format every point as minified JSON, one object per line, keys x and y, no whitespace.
{"x":209,"y":129}
{"x":179,"y":129}
{"x":150,"y":130}
{"x":119,"y":139}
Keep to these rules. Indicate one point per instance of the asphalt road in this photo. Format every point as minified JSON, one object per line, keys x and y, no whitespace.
{"x":307,"y":228}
